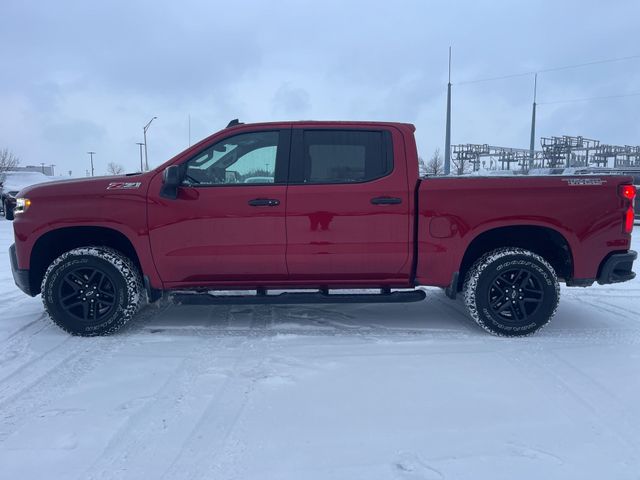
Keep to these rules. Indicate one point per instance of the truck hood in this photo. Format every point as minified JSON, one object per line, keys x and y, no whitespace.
{"x":91,"y":186}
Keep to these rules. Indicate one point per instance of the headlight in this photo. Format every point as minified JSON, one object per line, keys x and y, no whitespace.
{"x":22,"y":204}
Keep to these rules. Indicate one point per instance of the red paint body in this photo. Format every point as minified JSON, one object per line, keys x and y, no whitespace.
{"x":325,"y":235}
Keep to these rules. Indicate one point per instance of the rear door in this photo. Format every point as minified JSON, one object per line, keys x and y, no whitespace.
{"x":348,"y":206}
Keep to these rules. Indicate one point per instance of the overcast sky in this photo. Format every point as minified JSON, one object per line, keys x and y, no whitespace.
{"x":87,"y":75}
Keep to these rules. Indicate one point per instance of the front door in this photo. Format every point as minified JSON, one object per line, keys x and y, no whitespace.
{"x":228,"y":223}
{"x":348,"y":206}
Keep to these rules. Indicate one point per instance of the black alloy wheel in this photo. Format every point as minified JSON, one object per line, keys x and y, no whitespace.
{"x":87,"y":294}
{"x":516,"y":295}
{"x":511,"y":292}
{"x":92,"y":290}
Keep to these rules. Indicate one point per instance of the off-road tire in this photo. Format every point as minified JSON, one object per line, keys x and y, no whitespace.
{"x":490,"y":276}
{"x":124,"y":294}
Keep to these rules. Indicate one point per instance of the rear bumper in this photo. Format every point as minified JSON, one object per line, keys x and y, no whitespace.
{"x":21,"y":277}
{"x":617,"y":268}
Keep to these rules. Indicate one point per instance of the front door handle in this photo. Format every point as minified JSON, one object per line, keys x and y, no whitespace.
{"x":264,"y":202}
{"x":386,"y":200}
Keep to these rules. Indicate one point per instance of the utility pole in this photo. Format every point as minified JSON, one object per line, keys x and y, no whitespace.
{"x":447,"y":138}
{"x":189,"y":129}
{"x":532,"y":140}
{"x":42,"y":163}
{"x":91,"y":154}
{"x":141,"y":165}
{"x":146,"y":158}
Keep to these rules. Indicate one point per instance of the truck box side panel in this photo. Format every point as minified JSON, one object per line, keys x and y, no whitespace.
{"x":454,"y":211}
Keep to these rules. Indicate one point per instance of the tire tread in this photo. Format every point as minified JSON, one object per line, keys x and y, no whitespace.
{"x":473,"y":275}
{"x":126,"y":268}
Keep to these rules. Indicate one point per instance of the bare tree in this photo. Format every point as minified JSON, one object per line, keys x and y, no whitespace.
{"x":435,"y":165}
{"x":462,"y":165}
{"x":7,"y":161}
{"x":115,"y":169}
{"x":422,"y":167}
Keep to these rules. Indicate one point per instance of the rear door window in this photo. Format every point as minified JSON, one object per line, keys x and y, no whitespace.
{"x":341,"y":156}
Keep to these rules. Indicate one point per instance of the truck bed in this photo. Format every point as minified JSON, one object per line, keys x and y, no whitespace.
{"x":586,"y":212}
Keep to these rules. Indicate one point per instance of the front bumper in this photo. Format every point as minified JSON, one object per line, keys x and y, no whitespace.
{"x":21,"y":277}
{"x":617,"y":268}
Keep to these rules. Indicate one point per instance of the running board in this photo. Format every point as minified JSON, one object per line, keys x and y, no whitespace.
{"x":297,"y":298}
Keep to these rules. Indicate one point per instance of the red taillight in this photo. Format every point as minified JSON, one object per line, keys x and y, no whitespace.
{"x":628,"y":220}
{"x":628,"y":192}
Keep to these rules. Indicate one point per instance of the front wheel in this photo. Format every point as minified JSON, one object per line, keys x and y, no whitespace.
{"x":91,"y":291}
{"x":511,"y":292}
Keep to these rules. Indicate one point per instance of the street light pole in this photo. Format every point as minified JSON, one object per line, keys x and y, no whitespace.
{"x":91,"y":154}
{"x":146,"y":158}
{"x":532,"y":138}
{"x":141,"y":165}
{"x":447,"y":138}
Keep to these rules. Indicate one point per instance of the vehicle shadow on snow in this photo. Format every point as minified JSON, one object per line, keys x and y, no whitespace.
{"x":436,"y":316}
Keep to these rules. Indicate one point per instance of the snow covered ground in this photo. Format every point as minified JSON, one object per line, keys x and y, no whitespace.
{"x":369,"y":392}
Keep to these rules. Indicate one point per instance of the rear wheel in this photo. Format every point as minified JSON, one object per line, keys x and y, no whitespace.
{"x":511,"y":292}
{"x":91,"y":291}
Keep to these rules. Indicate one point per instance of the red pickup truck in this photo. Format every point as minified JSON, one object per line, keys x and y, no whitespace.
{"x":321,"y":207}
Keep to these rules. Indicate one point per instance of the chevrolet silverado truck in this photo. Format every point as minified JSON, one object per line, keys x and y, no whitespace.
{"x":317,"y":212}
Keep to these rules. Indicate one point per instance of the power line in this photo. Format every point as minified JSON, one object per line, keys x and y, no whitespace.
{"x":634,"y":94}
{"x":552,"y":69}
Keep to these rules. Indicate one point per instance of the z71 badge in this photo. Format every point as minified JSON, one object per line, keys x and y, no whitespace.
{"x":584,"y":181}
{"x":123,"y":185}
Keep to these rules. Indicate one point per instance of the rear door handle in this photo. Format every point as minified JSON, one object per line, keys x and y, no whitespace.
{"x":264,"y":202}
{"x":386,"y":200}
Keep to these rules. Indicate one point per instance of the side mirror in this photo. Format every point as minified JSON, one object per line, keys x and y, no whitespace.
{"x":171,"y":180}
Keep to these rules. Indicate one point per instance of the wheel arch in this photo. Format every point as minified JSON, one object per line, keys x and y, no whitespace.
{"x":55,"y":242}
{"x":547,"y":242}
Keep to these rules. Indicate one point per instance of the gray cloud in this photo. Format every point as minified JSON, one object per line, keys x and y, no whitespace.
{"x":290,"y":100}
{"x":88,"y":75}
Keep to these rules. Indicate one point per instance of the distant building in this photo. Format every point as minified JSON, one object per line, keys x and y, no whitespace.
{"x":45,"y":169}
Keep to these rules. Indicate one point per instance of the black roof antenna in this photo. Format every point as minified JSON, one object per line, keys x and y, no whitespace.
{"x":234,"y":122}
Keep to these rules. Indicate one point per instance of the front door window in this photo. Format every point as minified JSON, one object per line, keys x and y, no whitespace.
{"x":248,"y":158}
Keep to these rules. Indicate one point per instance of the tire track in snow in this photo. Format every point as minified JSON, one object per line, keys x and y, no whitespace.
{"x":199,"y":454}
{"x":164,"y":414}
{"x":40,"y":321}
{"x":43,"y":387}
{"x":47,"y":377}
{"x":15,"y":351}
{"x":597,"y":398}
{"x":158,"y":418}
{"x":608,"y":307}
{"x":604,"y":408}
{"x":30,"y":369}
